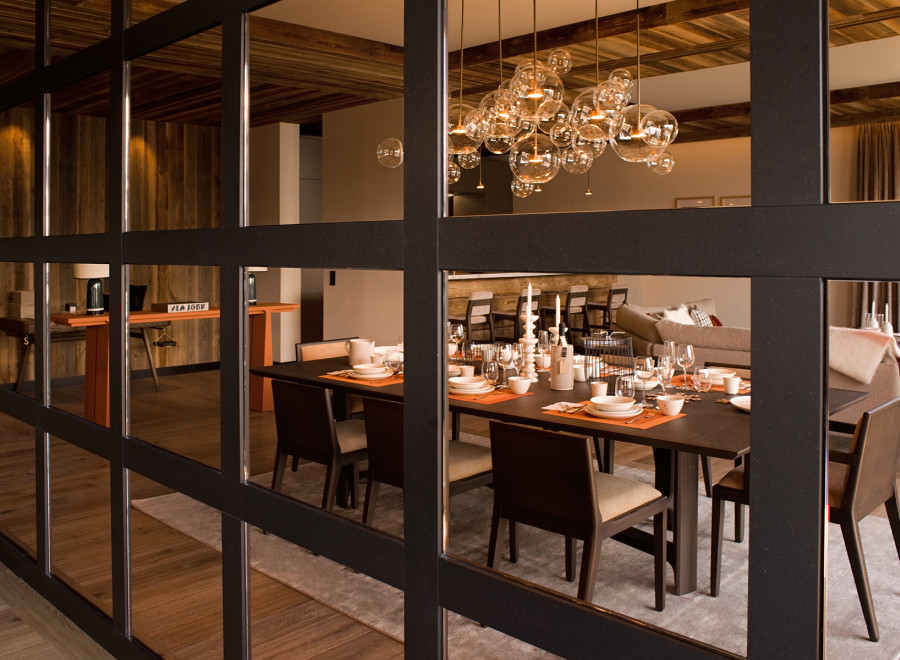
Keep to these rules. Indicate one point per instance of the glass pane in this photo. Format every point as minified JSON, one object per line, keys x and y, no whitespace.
{"x":693,"y":74}
{"x":176,"y":572}
{"x":76,"y":25}
{"x":78,"y":157}
{"x":623,"y":443}
{"x":80,"y":522}
{"x":291,"y":587}
{"x":862,"y":77}
{"x":175,"y":136}
{"x":17,"y":484}
{"x":17,"y":164}
{"x":17,"y":324}
{"x":183,"y":400}
{"x":340,"y":95}
{"x":18,"y":53}
{"x":79,"y":371}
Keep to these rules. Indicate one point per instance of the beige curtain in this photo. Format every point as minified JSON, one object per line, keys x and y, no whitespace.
{"x":877,"y":178}
{"x":878,"y":162}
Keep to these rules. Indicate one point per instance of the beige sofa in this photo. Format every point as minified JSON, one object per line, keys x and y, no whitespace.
{"x":885,"y":385}
{"x":715,"y":345}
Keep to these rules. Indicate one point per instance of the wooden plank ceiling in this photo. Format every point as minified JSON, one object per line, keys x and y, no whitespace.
{"x":298,"y":73}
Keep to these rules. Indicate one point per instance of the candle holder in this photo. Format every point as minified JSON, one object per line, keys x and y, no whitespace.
{"x":528,"y":342}
{"x":554,"y":335}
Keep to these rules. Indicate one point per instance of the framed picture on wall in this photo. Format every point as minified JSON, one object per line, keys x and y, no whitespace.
{"x":694,"y":202}
{"x":735,"y":201}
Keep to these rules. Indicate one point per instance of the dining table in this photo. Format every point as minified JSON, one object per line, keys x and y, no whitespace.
{"x":707,"y":426}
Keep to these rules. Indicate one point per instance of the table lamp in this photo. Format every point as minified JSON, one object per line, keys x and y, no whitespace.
{"x":93,"y":273}
{"x":251,"y":282}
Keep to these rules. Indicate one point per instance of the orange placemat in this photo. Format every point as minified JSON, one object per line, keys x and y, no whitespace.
{"x":390,"y":380}
{"x":679,"y":380}
{"x":489,"y":398}
{"x":657,"y":419}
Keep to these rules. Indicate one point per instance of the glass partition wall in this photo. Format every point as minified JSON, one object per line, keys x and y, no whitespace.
{"x":786,"y":245}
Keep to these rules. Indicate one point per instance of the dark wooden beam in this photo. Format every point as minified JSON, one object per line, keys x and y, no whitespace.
{"x":613,"y":25}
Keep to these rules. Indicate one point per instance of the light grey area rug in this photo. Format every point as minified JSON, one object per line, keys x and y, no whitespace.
{"x":624,"y":583}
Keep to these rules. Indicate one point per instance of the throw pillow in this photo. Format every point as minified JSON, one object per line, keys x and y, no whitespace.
{"x":679,"y":314}
{"x":715,"y":321}
{"x":701,"y":318}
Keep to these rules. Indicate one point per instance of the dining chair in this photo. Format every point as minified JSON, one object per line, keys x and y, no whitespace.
{"x":706,"y":465}
{"x":515,"y":315}
{"x":616,"y":296}
{"x":479,"y":314}
{"x":575,"y":304}
{"x":545,"y":479}
{"x":860,"y":480}
{"x":306,"y":429}
{"x":345,"y":405}
{"x":469,"y":464}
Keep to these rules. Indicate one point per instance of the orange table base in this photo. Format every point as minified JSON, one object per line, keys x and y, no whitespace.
{"x":96,"y":374}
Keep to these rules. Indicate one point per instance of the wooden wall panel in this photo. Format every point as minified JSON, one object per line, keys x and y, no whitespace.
{"x":174,"y":183}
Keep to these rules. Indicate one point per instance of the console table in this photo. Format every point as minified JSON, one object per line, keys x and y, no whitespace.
{"x":96,"y":370}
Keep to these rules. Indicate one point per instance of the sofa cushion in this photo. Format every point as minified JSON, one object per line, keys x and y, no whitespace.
{"x":637,"y":323}
{"x":679,"y":314}
{"x":735,"y":339}
{"x":701,"y":318}
{"x":708,"y":305}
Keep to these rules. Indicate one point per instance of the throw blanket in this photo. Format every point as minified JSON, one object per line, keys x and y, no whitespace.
{"x":857,"y":353}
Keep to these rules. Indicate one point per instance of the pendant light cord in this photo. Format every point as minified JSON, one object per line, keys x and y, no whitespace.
{"x":462,"y":16}
{"x":500,"y":40}
{"x":596,"y":45}
{"x":637,"y":4}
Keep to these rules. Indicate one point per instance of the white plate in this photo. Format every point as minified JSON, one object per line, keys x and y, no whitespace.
{"x":452,"y":370}
{"x":484,"y":390}
{"x":649,"y":385}
{"x":741,"y":403}
{"x":621,"y":414}
{"x":718,"y":374}
{"x":369,"y":376}
{"x":466,"y":383}
{"x":369,"y":369}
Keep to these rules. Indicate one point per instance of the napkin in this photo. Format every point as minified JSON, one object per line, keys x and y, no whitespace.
{"x":561,"y":406}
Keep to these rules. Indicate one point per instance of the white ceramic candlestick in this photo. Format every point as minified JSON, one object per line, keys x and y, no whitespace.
{"x":528,"y":342}
{"x":554,"y":336}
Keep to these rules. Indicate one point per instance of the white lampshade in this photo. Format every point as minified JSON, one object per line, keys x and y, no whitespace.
{"x":90,"y":271}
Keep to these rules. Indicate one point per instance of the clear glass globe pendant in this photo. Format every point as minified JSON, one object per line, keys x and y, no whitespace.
{"x":534,"y":158}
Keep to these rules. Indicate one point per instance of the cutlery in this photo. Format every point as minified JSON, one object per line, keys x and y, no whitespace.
{"x":484,"y":395}
{"x":641,"y":416}
{"x":572,"y":411}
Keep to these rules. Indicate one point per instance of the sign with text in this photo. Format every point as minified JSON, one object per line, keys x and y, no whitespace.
{"x":180,"y":307}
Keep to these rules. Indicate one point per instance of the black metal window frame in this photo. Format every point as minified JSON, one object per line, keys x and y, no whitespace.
{"x":789,"y":243}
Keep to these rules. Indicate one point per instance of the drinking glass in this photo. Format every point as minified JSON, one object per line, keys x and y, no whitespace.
{"x":685,"y":358}
{"x":491,"y":372}
{"x":505,"y":360}
{"x":393,"y":360}
{"x":625,"y":386}
{"x":543,"y":342}
{"x":643,"y":371}
{"x":702,"y":380}
{"x":457,"y":334}
{"x":670,"y":349}
{"x":664,"y":370}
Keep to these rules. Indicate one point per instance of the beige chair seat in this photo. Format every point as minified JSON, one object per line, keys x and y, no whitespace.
{"x":617,"y":495}
{"x":467,"y":460}
{"x":351,"y":435}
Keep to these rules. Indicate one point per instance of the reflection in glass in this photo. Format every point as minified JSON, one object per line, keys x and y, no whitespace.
{"x":17,"y":517}
{"x":17,"y":170}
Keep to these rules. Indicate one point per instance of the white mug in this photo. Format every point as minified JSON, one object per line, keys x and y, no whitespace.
{"x":731,"y":384}
{"x":360,"y":350}
{"x":599,"y":388}
{"x":579,"y":372}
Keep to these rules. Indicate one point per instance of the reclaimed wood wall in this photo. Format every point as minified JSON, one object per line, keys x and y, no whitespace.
{"x":174,"y":183}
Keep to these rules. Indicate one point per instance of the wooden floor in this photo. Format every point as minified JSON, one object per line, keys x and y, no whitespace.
{"x":176,"y":580}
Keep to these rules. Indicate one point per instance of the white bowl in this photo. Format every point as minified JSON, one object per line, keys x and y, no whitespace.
{"x":612,"y":403}
{"x":670,"y":404}
{"x":467,"y":382}
{"x":519,"y":384}
{"x":369,"y":368}
{"x":718,"y":373}
{"x":453,"y":370}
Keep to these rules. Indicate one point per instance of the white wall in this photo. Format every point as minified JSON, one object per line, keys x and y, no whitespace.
{"x":274,"y":165}
{"x":355,"y":187}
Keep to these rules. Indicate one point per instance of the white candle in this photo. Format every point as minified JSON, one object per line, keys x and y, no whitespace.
{"x":873,"y":308}
{"x":528,"y":312}
{"x":886,"y":315}
{"x":557,"y":311}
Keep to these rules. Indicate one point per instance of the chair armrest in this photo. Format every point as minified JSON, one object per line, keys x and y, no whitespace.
{"x":835,"y":456}
{"x":841,"y":427}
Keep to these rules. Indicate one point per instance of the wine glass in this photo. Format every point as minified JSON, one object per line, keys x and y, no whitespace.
{"x":457,"y":334}
{"x":685,"y":358}
{"x":393,"y":360}
{"x":670,"y":349}
{"x":505,"y":360}
{"x":665,"y":370}
{"x":491,"y":372}
{"x":643,"y":371}
{"x":625,"y":386}
{"x":702,"y":380}
{"x":543,"y":343}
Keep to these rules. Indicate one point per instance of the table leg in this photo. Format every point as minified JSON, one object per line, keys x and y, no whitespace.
{"x":685,"y":522}
{"x":96,"y":374}
{"x":261,"y":356}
